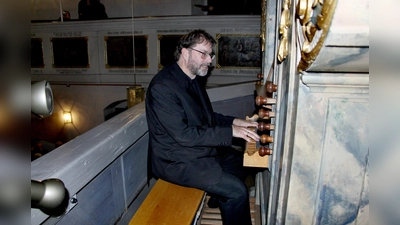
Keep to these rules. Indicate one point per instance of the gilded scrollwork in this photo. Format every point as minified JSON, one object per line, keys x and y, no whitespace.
{"x":304,"y":10}
{"x":315,"y":17}
{"x":285,"y":20}
{"x":283,"y":49}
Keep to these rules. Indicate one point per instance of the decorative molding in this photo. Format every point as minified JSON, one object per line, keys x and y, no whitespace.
{"x":315,"y":17}
{"x":336,"y":82}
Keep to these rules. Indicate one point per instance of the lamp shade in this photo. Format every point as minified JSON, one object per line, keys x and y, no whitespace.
{"x":49,"y":196}
{"x":67,"y":117}
{"x":42,"y":98}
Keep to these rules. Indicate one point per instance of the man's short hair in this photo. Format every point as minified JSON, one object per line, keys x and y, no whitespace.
{"x":194,"y":37}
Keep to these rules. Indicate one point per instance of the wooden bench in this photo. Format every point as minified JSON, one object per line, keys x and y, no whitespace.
{"x":169,"y":204}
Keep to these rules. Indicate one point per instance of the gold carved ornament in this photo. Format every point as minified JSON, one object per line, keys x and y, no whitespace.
{"x":314,"y":32}
{"x":283,"y":48}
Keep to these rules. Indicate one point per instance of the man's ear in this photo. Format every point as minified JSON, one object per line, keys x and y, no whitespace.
{"x":185,"y":53}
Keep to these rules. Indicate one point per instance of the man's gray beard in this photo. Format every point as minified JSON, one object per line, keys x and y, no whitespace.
{"x":197,"y":71}
{"x":200,"y":74}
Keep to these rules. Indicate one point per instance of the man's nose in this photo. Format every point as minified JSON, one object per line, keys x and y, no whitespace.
{"x":209,"y":58}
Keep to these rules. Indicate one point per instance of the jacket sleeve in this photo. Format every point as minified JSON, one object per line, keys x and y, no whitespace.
{"x":223,"y":120}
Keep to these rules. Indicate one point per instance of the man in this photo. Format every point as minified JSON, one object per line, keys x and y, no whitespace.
{"x":184,"y":132}
{"x":91,"y":10}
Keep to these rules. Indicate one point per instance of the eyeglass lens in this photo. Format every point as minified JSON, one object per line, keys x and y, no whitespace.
{"x":204,"y":55}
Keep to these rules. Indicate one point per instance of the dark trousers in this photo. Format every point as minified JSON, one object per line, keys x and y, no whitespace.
{"x":231,"y":190}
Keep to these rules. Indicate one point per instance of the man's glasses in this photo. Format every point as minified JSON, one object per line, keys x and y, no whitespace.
{"x":204,"y":54}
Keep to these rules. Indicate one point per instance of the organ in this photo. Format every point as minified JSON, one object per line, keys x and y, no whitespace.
{"x":314,"y":90}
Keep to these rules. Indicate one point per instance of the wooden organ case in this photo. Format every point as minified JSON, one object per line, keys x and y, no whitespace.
{"x":312,"y":111}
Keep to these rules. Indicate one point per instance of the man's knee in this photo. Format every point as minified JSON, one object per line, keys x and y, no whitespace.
{"x":240,"y":193}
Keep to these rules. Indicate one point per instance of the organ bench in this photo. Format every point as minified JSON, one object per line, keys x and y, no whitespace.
{"x":169,"y":204}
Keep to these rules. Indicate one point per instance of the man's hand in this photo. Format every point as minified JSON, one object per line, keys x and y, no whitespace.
{"x":244,"y":123}
{"x":241,"y":129}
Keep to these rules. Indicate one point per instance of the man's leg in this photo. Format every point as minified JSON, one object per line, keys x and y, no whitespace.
{"x":233,"y":200}
{"x":231,"y":161}
{"x":231,"y":193}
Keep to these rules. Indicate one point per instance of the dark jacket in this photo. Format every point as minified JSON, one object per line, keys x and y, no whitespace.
{"x":94,"y":11}
{"x":183,"y":129}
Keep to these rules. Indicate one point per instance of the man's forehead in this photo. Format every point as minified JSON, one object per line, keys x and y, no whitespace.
{"x":204,"y":44}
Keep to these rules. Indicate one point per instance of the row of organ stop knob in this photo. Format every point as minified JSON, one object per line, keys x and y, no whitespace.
{"x":264,"y":101}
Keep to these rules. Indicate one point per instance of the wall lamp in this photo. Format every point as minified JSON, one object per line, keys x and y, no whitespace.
{"x":67,"y":117}
{"x":42,"y":98}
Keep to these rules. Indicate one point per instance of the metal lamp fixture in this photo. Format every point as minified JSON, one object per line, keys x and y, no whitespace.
{"x":42,"y":98}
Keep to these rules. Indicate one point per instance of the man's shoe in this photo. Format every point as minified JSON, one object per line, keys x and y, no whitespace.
{"x":213,"y":202}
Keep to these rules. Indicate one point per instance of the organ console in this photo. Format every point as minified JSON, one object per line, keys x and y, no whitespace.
{"x":261,"y":159}
{"x":263,"y":117}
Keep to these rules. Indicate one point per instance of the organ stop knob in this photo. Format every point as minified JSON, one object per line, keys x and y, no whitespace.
{"x":265,"y":101}
{"x":265,"y":126}
{"x":262,"y":151}
{"x":265,"y":114}
{"x":271,"y":87}
{"x":264,"y":139}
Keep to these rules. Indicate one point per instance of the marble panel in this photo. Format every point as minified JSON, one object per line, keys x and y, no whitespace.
{"x":329,"y":173}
